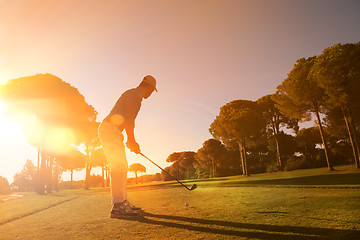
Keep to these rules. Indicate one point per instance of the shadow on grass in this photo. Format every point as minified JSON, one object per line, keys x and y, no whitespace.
{"x":248,"y":230}
{"x":329,"y":179}
{"x":163,"y":185}
{"x":348,"y":180}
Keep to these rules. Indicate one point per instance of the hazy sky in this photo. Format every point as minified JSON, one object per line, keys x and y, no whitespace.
{"x":203,"y":53}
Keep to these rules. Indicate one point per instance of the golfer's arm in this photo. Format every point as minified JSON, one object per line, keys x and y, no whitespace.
{"x":132,"y":110}
{"x":130,"y":131}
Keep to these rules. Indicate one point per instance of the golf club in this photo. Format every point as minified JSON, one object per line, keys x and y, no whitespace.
{"x":192,"y":187}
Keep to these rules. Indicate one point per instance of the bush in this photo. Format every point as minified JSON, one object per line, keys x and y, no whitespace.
{"x":4,"y":186}
{"x":72,"y":185}
{"x":273,"y":167}
{"x":341,"y":153}
{"x":25,"y":180}
{"x":297,"y":162}
{"x":96,"y":181}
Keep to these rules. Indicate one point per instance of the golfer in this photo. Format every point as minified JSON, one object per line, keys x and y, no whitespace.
{"x":122,"y":117}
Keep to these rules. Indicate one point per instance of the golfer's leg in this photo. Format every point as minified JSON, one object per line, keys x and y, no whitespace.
{"x":118,"y":175}
{"x":114,"y":149}
{"x":124,"y":182}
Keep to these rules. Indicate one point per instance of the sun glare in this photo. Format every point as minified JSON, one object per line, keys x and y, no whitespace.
{"x":55,"y":139}
{"x":10,"y":130}
{"x":30,"y":129}
{"x":58,"y":139}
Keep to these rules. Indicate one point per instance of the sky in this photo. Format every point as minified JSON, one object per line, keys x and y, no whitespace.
{"x":203,"y":53}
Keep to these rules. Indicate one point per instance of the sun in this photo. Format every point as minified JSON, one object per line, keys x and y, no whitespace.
{"x":13,"y":149}
{"x":10,"y":130}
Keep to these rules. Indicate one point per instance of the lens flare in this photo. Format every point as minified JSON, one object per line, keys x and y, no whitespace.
{"x":57,"y":139}
{"x":117,"y":119}
{"x":32,"y":128}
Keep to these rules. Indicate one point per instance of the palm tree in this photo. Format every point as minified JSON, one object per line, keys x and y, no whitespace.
{"x":137,"y":168}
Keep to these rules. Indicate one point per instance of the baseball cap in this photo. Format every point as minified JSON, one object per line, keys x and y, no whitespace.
{"x":150,"y":80}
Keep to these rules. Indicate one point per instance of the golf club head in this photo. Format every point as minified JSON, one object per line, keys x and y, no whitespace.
{"x":193,"y":187}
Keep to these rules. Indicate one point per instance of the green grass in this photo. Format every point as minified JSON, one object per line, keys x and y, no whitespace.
{"x":302,"y":204}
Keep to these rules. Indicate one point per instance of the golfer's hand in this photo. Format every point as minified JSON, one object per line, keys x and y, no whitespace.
{"x":133,"y":146}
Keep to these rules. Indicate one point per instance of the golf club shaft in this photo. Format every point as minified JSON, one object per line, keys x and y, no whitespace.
{"x":164,"y":170}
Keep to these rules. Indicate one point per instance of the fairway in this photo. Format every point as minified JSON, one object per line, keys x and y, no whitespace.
{"x":258,"y":207}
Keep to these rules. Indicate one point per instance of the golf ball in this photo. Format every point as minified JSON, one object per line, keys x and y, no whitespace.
{"x":186,"y":204}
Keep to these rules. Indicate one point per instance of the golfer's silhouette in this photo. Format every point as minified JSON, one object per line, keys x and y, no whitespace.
{"x":121,"y":117}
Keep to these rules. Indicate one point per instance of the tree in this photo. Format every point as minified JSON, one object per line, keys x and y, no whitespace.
{"x":275,"y":120}
{"x":47,"y":107}
{"x":53,"y":115}
{"x":99,"y":160}
{"x":25,"y":180}
{"x":157,"y":177}
{"x":239,"y":121}
{"x":175,"y":158}
{"x":71,"y":161}
{"x":95,"y":180}
{"x":91,"y":142}
{"x":337,"y":71}
{"x":341,"y":147}
{"x":299,"y":95}
{"x":4,"y":186}
{"x":183,"y":166}
{"x":306,"y":140}
{"x":209,"y":154}
{"x":214,"y":156}
{"x":137,"y":168}
{"x":288,"y":149}
{"x":165,"y":176}
{"x":187,"y":160}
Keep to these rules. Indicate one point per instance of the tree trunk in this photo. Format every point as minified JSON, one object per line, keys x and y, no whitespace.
{"x":49,"y":180}
{"x":136,"y":179}
{"x":56,"y":179}
{"x":329,"y":162}
{"x":87,"y":176}
{"x":103,"y":175}
{"x":107,"y":177}
{"x":275,"y":127}
{"x":239,"y":165}
{"x":350,"y":132}
{"x":245,"y":159}
{"x":356,"y":142}
{"x":37,"y":181}
{"x":72,"y":177}
{"x":87,"y":168}
{"x":278,"y":153}
{"x":213,"y":167}
{"x":41,"y":189}
{"x":241,"y":158}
